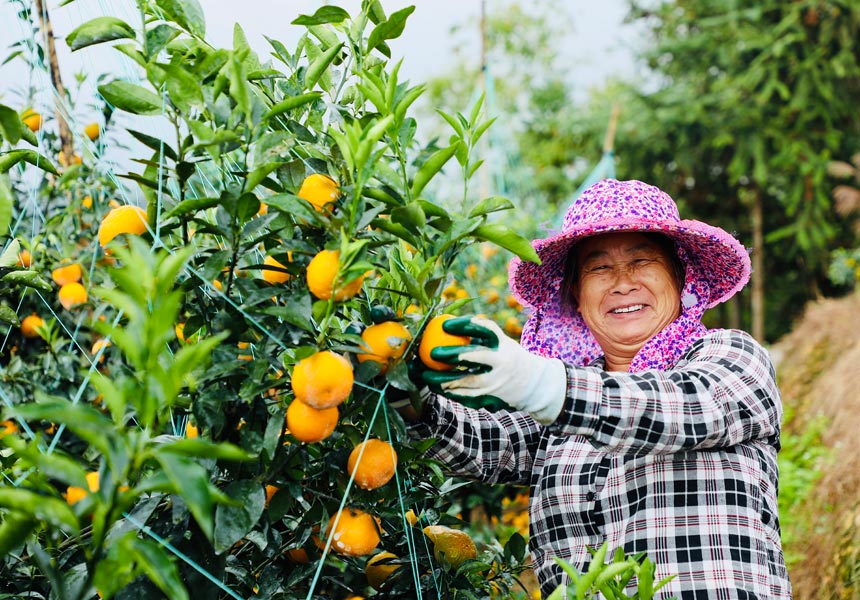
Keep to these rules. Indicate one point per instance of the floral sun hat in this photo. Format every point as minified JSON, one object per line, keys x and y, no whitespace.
{"x":717,"y":266}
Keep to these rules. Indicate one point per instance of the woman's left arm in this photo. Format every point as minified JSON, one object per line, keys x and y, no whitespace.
{"x":723,"y":393}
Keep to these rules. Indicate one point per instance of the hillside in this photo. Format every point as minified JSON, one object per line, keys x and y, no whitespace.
{"x":818,"y":367}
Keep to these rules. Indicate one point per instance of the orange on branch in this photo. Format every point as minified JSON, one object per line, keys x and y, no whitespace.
{"x":7,"y":427}
{"x":75,"y":494}
{"x":25,"y":259}
{"x":378,"y":573}
{"x":376,"y":466}
{"x":319,"y":190}
{"x":272,"y":276}
{"x":191,"y":430}
{"x":32,"y":120}
{"x":433,"y":337}
{"x":322,"y":380}
{"x":72,"y":294}
{"x":308,"y":424}
{"x":271,"y":490}
{"x":384,"y":343}
{"x":322,"y":273}
{"x":30,"y":325}
{"x":92,"y":131}
{"x":356,"y":532}
{"x":122,"y":219}
{"x":69,"y":273}
{"x":451,"y":545}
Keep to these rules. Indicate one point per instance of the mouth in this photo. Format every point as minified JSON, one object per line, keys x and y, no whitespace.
{"x":623,"y":310}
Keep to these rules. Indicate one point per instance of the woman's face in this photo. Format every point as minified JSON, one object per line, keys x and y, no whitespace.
{"x":625,"y":290}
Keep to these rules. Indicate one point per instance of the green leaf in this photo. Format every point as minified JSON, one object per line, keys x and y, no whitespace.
{"x":54,"y":465}
{"x":154,"y":143}
{"x":191,"y":482}
{"x":233,"y":521}
{"x":293,"y":205}
{"x":192,"y":206}
{"x":297,"y":311}
{"x":507,"y":239}
{"x":390,"y":29}
{"x":16,"y":528}
{"x":491,"y":204}
{"x":432,"y":166}
{"x":320,"y":64}
{"x":10,"y":125}
{"x":10,"y":159}
{"x":10,"y":257}
{"x":28,"y":278}
{"x":84,"y":421}
{"x":156,"y":564}
{"x":183,"y":88}
{"x":291,"y":103}
{"x":131,"y":98}
{"x":200,"y":448}
{"x":410,"y":216}
{"x":325,"y":14}
{"x":43,"y":508}
{"x":8,"y":315}
{"x":186,"y":13}
{"x":98,"y":30}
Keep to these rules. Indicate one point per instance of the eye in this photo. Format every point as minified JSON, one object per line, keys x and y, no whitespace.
{"x":596,"y":268}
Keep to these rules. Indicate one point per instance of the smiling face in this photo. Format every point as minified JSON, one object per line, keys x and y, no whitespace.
{"x":626,"y":291}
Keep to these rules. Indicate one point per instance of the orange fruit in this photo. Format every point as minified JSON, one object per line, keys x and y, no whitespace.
{"x":122,"y":219}
{"x":69,"y":273}
{"x":488,"y":250}
{"x":275,"y":276}
{"x":271,"y":490}
{"x":321,"y":274}
{"x":356,"y":532}
{"x":376,"y":573}
{"x":435,"y":336}
{"x":30,"y":324}
{"x":513,"y":302}
{"x":411,"y":517}
{"x":75,"y":494}
{"x":377,"y":465}
{"x":308,"y":424}
{"x":384,"y":343}
{"x":33,"y":120}
{"x":72,"y":294}
{"x":319,"y":190}
{"x":25,"y":259}
{"x":97,"y":347}
{"x":191,"y":430}
{"x":92,"y":131}
{"x":322,"y":380}
{"x":298,"y":556}
{"x":452,"y":545}
{"x":513,"y":327}
{"x":471,"y":271}
{"x":61,"y":158}
{"x":87,"y":201}
{"x":7,"y":427}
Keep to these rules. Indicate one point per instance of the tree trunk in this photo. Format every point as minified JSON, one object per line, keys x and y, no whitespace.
{"x":757,"y":257}
{"x":66,"y":140}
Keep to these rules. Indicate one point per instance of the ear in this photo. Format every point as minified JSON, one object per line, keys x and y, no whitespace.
{"x":574,"y":293}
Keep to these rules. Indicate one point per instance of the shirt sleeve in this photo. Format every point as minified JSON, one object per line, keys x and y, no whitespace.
{"x":723,"y":393}
{"x":495,"y":447}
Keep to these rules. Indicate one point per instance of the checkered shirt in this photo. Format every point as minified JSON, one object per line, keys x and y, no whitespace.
{"x":679,"y":464}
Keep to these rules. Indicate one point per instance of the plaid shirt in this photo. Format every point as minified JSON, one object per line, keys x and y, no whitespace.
{"x":679,"y":464}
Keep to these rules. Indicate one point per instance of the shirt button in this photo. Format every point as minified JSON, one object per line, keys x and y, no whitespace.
{"x":589,"y":496}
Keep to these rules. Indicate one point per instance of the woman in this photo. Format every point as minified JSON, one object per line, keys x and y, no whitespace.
{"x":631,"y":422}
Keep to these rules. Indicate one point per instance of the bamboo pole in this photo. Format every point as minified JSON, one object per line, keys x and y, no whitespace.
{"x":66,"y":140}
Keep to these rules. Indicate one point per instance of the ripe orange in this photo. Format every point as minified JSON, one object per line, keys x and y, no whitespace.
{"x":321,"y":274}
{"x":271,"y":490}
{"x":513,"y":327}
{"x":452,"y":545}
{"x":123,"y":219}
{"x":61,"y":158}
{"x":377,"y":465}
{"x":92,"y":131}
{"x":191,"y":430}
{"x":25,"y":259}
{"x":319,"y":190}
{"x":298,"y":556}
{"x":98,"y":345}
{"x":322,"y":380}
{"x":72,"y":294}
{"x":308,"y":424}
{"x":7,"y":427}
{"x":435,"y":336}
{"x":87,"y":201}
{"x":384,"y":342}
{"x":75,"y":494}
{"x":30,"y":324}
{"x":67,"y":274}
{"x":275,"y":276}
{"x":33,"y":120}
{"x":376,"y":573}
{"x":356,"y":533}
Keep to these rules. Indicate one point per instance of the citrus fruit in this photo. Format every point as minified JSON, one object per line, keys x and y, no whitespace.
{"x":274,"y":276}
{"x":435,"y":336}
{"x":7,"y":427}
{"x":75,"y":494}
{"x":298,"y":556}
{"x":69,"y":273}
{"x":98,"y":345}
{"x":375,"y":467}
{"x":191,"y":430}
{"x":87,"y":201}
{"x":25,"y":259}
{"x":378,"y":573}
{"x":122,"y":219}
{"x":33,"y":120}
{"x":384,"y":343}
{"x":451,"y":545}
{"x":92,"y":131}
{"x":30,"y":324}
{"x":271,"y":490}
{"x":513,"y":327}
{"x":319,"y":190}
{"x":308,"y":424}
{"x":61,"y":158}
{"x":322,"y":380}
{"x":321,"y":274}
{"x":72,"y":294}
{"x":356,"y":532}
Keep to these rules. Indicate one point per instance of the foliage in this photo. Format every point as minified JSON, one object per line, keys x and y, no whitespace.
{"x":193,"y":338}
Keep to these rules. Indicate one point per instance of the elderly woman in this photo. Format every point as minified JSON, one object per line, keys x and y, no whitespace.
{"x":631,"y":422}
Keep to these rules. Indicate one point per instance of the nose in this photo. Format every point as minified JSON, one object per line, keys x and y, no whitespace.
{"x":624,"y":279}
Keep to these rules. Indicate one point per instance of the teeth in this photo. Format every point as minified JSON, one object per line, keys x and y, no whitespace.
{"x":628,"y":309}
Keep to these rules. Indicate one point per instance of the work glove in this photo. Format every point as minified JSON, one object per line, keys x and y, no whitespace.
{"x":493,"y":368}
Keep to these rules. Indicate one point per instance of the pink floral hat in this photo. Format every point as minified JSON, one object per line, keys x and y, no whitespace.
{"x":717,"y":266}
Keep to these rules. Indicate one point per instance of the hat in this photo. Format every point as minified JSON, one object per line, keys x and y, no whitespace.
{"x":611,"y":206}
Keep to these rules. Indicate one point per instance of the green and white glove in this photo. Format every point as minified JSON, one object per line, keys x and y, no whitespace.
{"x":496,"y":368}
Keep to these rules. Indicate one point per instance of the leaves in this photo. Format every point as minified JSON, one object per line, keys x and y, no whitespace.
{"x":97,"y":31}
{"x":131,"y":98}
{"x":233,"y":521}
{"x":507,"y":239}
{"x":186,"y":13}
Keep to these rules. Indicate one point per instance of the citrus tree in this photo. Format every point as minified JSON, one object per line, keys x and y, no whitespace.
{"x":201,"y":406}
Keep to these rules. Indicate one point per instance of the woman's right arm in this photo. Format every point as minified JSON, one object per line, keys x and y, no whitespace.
{"x":490,"y":447}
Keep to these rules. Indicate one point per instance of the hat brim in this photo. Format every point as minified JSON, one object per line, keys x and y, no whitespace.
{"x":722,"y":259}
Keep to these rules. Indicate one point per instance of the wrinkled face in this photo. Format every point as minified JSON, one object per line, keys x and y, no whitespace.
{"x":625,"y":290}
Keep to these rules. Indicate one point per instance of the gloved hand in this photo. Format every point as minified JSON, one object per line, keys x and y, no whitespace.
{"x":495,"y":367}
